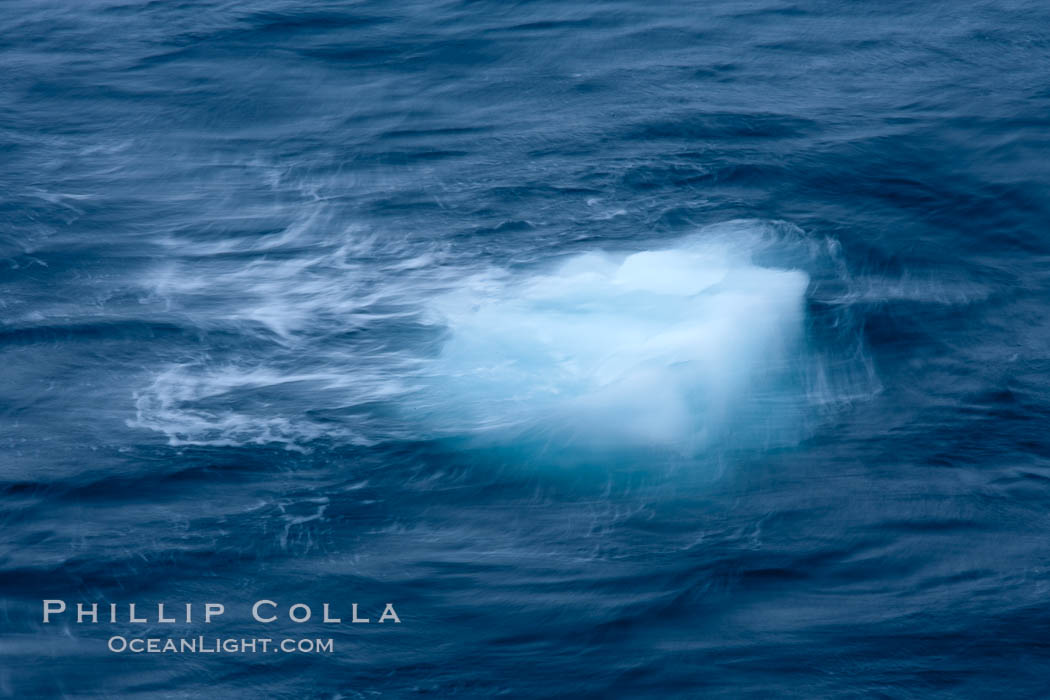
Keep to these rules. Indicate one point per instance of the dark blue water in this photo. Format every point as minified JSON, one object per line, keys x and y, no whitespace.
{"x":629,"y":349}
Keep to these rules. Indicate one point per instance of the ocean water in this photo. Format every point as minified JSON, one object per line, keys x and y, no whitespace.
{"x":629,"y":349}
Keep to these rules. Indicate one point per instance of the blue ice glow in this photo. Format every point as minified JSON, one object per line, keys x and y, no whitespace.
{"x":671,"y":348}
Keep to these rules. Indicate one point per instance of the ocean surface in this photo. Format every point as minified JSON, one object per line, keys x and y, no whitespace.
{"x":629,"y":349}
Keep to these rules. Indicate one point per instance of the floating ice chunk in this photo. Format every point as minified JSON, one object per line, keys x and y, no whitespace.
{"x":664,"y":348}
